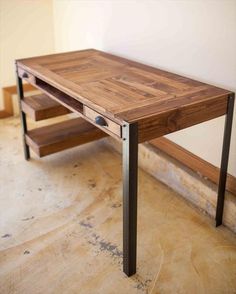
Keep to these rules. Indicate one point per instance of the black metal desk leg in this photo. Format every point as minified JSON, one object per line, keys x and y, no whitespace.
{"x":22,"y":116}
{"x":224,"y":160}
{"x":130,"y":173}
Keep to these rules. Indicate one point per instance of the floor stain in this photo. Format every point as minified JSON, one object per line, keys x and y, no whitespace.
{"x":116,"y":205}
{"x":6,"y":236}
{"x":105,"y":246}
{"x":85,"y":224}
{"x":142,"y":284}
{"x":27,"y":218}
{"x":92,"y":183}
{"x":111,"y":248}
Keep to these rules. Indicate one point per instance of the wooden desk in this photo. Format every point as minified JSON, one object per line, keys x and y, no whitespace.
{"x":133,"y":103}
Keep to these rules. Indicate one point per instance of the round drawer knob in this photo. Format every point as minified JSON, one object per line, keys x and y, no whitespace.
{"x":25,"y":75}
{"x":99,"y":120}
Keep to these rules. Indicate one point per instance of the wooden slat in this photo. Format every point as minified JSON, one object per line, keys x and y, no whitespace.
{"x":177,"y":119}
{"x":61,"y":136}
{"x":40,"y":107}
{"x":193,"y":162}
{"x":7,"y":104}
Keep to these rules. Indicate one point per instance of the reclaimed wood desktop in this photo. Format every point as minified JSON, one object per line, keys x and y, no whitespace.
{"x":133,"y":103}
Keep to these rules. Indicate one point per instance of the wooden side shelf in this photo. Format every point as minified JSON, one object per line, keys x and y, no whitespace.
{"x":39,"y":107}
{"x":61,"y":136}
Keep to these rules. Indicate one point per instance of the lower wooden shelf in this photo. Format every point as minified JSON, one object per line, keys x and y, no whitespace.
{"x":60,"y":136}
{"x":39,"y":107}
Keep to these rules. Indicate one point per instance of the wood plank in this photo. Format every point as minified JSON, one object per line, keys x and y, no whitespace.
{"x":177,"y":119}
{"x":60,"y":136}
{"x":7,"y":104}
{"x":193,"y":162}
{"x":199,"y":95}
{"x":40,"y":107}
{"x":4,"y":114}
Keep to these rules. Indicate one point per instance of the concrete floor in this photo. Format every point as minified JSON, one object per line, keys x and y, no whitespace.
{"x":61,"y":228}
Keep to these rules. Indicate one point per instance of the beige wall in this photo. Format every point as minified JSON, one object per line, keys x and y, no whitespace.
{"x":26,"y":29}
{"x":193,"y":38}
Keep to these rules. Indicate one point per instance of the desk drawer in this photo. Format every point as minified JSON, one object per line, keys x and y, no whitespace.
{"x":102,"y":121}
{"x":26,"y":76}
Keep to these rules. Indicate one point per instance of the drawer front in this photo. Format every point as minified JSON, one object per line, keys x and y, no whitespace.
{"x":26,"y":76}
{"x":102,"y":121}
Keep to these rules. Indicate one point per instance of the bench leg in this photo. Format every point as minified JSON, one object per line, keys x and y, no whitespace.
{"x":224,"y":160}
{"x":22,"y":116}
{"x":130,"y":173}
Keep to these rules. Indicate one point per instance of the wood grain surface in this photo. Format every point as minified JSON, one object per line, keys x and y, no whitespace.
{"x":63,"y":135}
{"x":127,"y":91}
{"x":40,"y":107}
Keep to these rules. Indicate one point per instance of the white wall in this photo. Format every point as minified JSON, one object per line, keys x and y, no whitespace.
{"x":192,"y":37}
{"x":26,"y":29}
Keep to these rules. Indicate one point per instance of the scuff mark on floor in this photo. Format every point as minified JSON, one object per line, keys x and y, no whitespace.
{"x":91,"y":183}
{"x":142,"y":284}
{"x":104,"y":246}
{"x":111,"y":248}
{"x":27,"y":218}
{"x":116,"y":205}
{"x":6,"y":236}
{"x":85,"y":224}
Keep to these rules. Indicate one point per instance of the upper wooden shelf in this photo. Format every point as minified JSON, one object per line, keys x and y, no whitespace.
{"x":40,"y":107}
{"x":126,"y":91}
